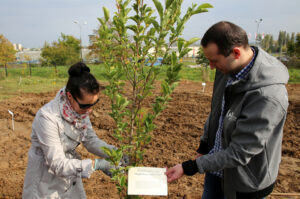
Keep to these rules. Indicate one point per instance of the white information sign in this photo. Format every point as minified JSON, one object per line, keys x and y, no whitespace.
{"x":147,"y":181}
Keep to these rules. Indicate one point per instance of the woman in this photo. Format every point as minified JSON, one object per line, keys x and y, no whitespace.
{"x":54,"y":169}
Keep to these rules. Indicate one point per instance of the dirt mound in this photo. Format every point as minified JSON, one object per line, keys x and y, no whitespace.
{"x":175,"y":139}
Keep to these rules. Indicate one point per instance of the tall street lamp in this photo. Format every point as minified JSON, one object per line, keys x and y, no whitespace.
{"x":84,"y":23}
{"x":257,"y":21}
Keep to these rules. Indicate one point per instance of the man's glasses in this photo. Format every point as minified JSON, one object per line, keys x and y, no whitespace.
{"x":85,"y":106}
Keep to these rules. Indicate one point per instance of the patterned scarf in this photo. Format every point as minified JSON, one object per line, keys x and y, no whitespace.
{"x":68,"y":113}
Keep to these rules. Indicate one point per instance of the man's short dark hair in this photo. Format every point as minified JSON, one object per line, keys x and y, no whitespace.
{"x":226,"y":36}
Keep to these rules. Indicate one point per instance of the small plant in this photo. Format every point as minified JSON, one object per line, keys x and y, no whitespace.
{"x":125,"y":42}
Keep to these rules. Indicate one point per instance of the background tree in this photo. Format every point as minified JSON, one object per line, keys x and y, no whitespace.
{"x":292,"y":37}
{"x":281,"y":41}
{"x":65,"y":51}
{"x":287,"y":38}
{"x":28,"y":58}
{"x":7,"y":52}
{"x":272,"y":44}
{"x":130,"y":59}
{"x":291,"y":47}
{"x":200,"y":58}
{"x":97,"y":50}
{"x":297,"y":45}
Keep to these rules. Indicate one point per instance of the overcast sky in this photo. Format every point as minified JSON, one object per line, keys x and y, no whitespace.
{"x":32,"y":22}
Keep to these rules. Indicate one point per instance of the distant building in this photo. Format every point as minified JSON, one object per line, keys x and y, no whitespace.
{"x":32,"y":56}
{"x":18,"y":47}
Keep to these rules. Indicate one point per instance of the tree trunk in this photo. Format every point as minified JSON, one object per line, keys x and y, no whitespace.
{"x":55,"y":69}
{"x":6,"y":70}
{"x":29,"y":69}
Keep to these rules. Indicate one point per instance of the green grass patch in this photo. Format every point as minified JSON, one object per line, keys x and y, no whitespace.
{"x":46,"y":79}
{"x":294,"y":75}
{"x":10,"y":86}
{"x":197,"y":74}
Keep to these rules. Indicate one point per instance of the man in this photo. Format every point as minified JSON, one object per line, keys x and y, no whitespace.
{"x":240,"y":149}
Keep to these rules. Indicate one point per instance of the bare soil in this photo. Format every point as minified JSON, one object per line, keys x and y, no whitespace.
{"x":175,"y":139}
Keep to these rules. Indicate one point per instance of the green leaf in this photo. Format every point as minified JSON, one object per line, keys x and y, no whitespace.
{"x":106,"y":13}
{"x":135,"y":7}
{"x":191,"y":41}
{"x":160,"y":99}
{"x":126,"y":3}
{"x":106,"y":150}
{"x":184,"y":52}
{"x":151,"y":32}
{"x":202,"y":8}
{"x":155,"y":23}
{"x":180,"y":26}
{"x":205,"y":5}
{"x":122,"y":181}
{"x":135,"y":18}
{"x":159,"y":8}
{"x":199,"y":11}
{"x":101,"y":21}
{"x":165,"y":88}
{"x":174,"y":58}
{"x":180,"y":43}
{"x":148,"y":139}
{"x":168,"y":3}
{"x":132,"y":27}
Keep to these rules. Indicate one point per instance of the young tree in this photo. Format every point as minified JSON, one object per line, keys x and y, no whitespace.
{"x":200,"y":58}
{"x":7,"y":52}
{"x":131,"y":60}
{"x":65,"y":51}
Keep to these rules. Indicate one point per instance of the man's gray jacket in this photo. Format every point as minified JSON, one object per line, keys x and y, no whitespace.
{"x":255,"y":113}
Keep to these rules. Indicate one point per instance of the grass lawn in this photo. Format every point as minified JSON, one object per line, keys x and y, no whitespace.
{"x":45,"y":79}
{"x":10,"y":86}
{"x":294,"y":75}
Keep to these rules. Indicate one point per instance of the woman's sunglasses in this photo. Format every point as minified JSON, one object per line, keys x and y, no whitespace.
{"x":85,"y":106}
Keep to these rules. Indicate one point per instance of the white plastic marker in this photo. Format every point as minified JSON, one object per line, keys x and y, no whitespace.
{"x":20,"y":80}
{"x":12,"y":119}
{"x":203,"y":86}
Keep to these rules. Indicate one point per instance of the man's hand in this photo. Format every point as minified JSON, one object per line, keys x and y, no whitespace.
{"x":174,"y":173}
{"x":198,"y":155}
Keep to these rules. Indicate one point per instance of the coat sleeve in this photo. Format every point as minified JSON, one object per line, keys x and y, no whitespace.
{"x":203,"y":147}
{"x":46,"y":130}
{"x":93,"y":144}
{"x":258,"y":120}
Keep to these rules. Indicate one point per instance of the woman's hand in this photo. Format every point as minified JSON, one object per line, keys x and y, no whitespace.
{"x":103,"y":165}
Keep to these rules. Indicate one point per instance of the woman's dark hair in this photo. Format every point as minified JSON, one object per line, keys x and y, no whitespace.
{"x":80,"y":79}
{"x":226,"y":36}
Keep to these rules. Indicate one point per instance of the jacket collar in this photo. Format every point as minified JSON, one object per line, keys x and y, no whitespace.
{"x":267,"y":70}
